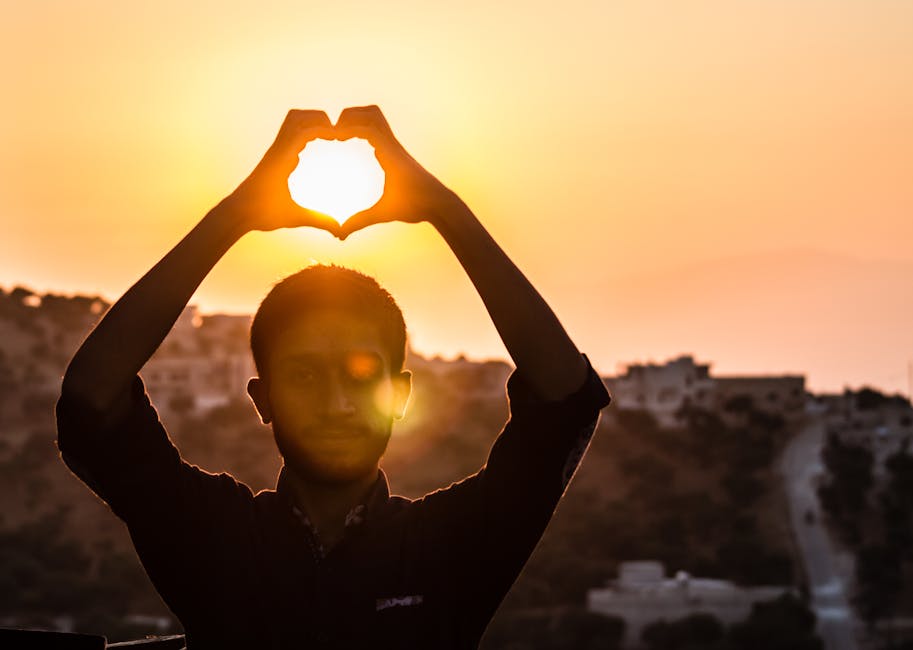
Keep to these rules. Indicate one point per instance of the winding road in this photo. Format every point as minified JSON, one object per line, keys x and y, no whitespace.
{"x":825,"y":569}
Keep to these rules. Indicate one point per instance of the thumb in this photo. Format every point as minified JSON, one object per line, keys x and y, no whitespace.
{"x":365,"y":218}
{"x":299,"y":216}
{"x":324,"y":221}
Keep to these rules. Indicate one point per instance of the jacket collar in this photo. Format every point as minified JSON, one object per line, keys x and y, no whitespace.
{"x":373,"y":502}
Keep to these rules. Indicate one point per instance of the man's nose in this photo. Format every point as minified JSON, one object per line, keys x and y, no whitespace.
{"x":339,"y":399}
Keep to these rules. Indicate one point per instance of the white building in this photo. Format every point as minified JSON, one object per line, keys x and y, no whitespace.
{"x":643,"y":595}
{"x":663,"y":389}
{"x":204,"y":362}
{"x":203,"y":382}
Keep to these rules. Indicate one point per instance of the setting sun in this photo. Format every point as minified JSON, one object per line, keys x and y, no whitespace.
{"x":337,"y":178}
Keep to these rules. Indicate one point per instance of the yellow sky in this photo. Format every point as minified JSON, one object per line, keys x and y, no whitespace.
{"x":756,"y":156}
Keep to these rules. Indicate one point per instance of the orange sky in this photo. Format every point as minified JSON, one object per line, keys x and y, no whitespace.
{"x":732,"y":179}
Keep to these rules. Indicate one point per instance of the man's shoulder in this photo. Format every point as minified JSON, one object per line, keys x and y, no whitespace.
{"x":452,"y":499}
{"x":263,"y":498}
{"x":398,"y":503}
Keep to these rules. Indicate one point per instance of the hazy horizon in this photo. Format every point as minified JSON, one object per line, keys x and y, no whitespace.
{"x":684,"y":323}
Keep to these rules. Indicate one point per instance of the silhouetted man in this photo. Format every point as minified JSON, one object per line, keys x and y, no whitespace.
{"x":329,"y":558}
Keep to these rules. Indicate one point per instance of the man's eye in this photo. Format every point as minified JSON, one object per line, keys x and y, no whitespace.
{"x":363,"y":366}
{"x":304,"y":374}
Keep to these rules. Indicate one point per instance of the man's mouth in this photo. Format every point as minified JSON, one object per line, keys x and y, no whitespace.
{"x":340,"y":433}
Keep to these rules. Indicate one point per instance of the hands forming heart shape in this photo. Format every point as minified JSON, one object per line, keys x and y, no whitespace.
{"x":410,"y":193}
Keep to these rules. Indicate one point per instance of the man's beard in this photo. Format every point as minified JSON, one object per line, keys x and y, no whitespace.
{"x":307,"y":467}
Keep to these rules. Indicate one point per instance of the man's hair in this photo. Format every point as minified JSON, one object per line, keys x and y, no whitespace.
{"x":328,"y":287}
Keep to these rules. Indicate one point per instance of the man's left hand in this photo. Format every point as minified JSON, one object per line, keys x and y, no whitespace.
{"x":411,"y":193}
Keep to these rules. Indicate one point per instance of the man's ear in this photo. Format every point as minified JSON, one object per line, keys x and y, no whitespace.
{"x":259,"y":395}
{"x":402,"y":389}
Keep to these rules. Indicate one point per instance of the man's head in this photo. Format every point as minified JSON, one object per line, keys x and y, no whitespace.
{"x":329,"y":346}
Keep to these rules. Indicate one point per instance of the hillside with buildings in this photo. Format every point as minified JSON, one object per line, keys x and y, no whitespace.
{"x":679,"y":507}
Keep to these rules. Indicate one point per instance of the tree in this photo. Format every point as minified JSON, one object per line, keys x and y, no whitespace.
{"x":879,"y":581}
{"x":781,"y":624}
{"x":868,"y":399}
{"x":696,"y":631}
{"x":588,"y":631}
{"x":849,"y":477}
{"x":897,"y":499}
{"x":637,"y":420}
{"x":742,"y":488}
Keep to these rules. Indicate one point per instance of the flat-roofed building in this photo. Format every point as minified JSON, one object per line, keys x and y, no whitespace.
{"x":664,"y":389}
{"x":777,"y":395}
{"x":642,"y":594}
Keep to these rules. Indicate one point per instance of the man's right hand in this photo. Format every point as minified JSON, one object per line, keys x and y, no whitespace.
{"x":102,"y":370}
{"x":263,"y":201}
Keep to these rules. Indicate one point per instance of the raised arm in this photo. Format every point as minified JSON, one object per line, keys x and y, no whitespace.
{"x":532,"y":334}
{"x":130,"y":332}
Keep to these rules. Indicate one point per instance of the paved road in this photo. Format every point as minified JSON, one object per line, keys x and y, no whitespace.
{"x":800,"y":464}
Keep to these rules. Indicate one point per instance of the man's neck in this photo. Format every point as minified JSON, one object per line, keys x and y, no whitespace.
{"x":327,"y":505}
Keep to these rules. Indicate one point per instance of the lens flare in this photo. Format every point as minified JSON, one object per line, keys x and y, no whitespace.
{"x":337,"y":178}
{"x":363,"y":366}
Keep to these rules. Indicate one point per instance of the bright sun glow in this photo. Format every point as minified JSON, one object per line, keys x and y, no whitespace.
{"x":337,"y":178}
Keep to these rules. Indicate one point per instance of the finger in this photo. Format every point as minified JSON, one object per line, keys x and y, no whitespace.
{"x":299,"y":128}
{"x":307,"y":217}
{"x":366,"y":122}
{"x":365,"y":218}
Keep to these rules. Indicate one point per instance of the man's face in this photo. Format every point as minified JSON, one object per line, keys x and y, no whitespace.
{"x":330,"y":396}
